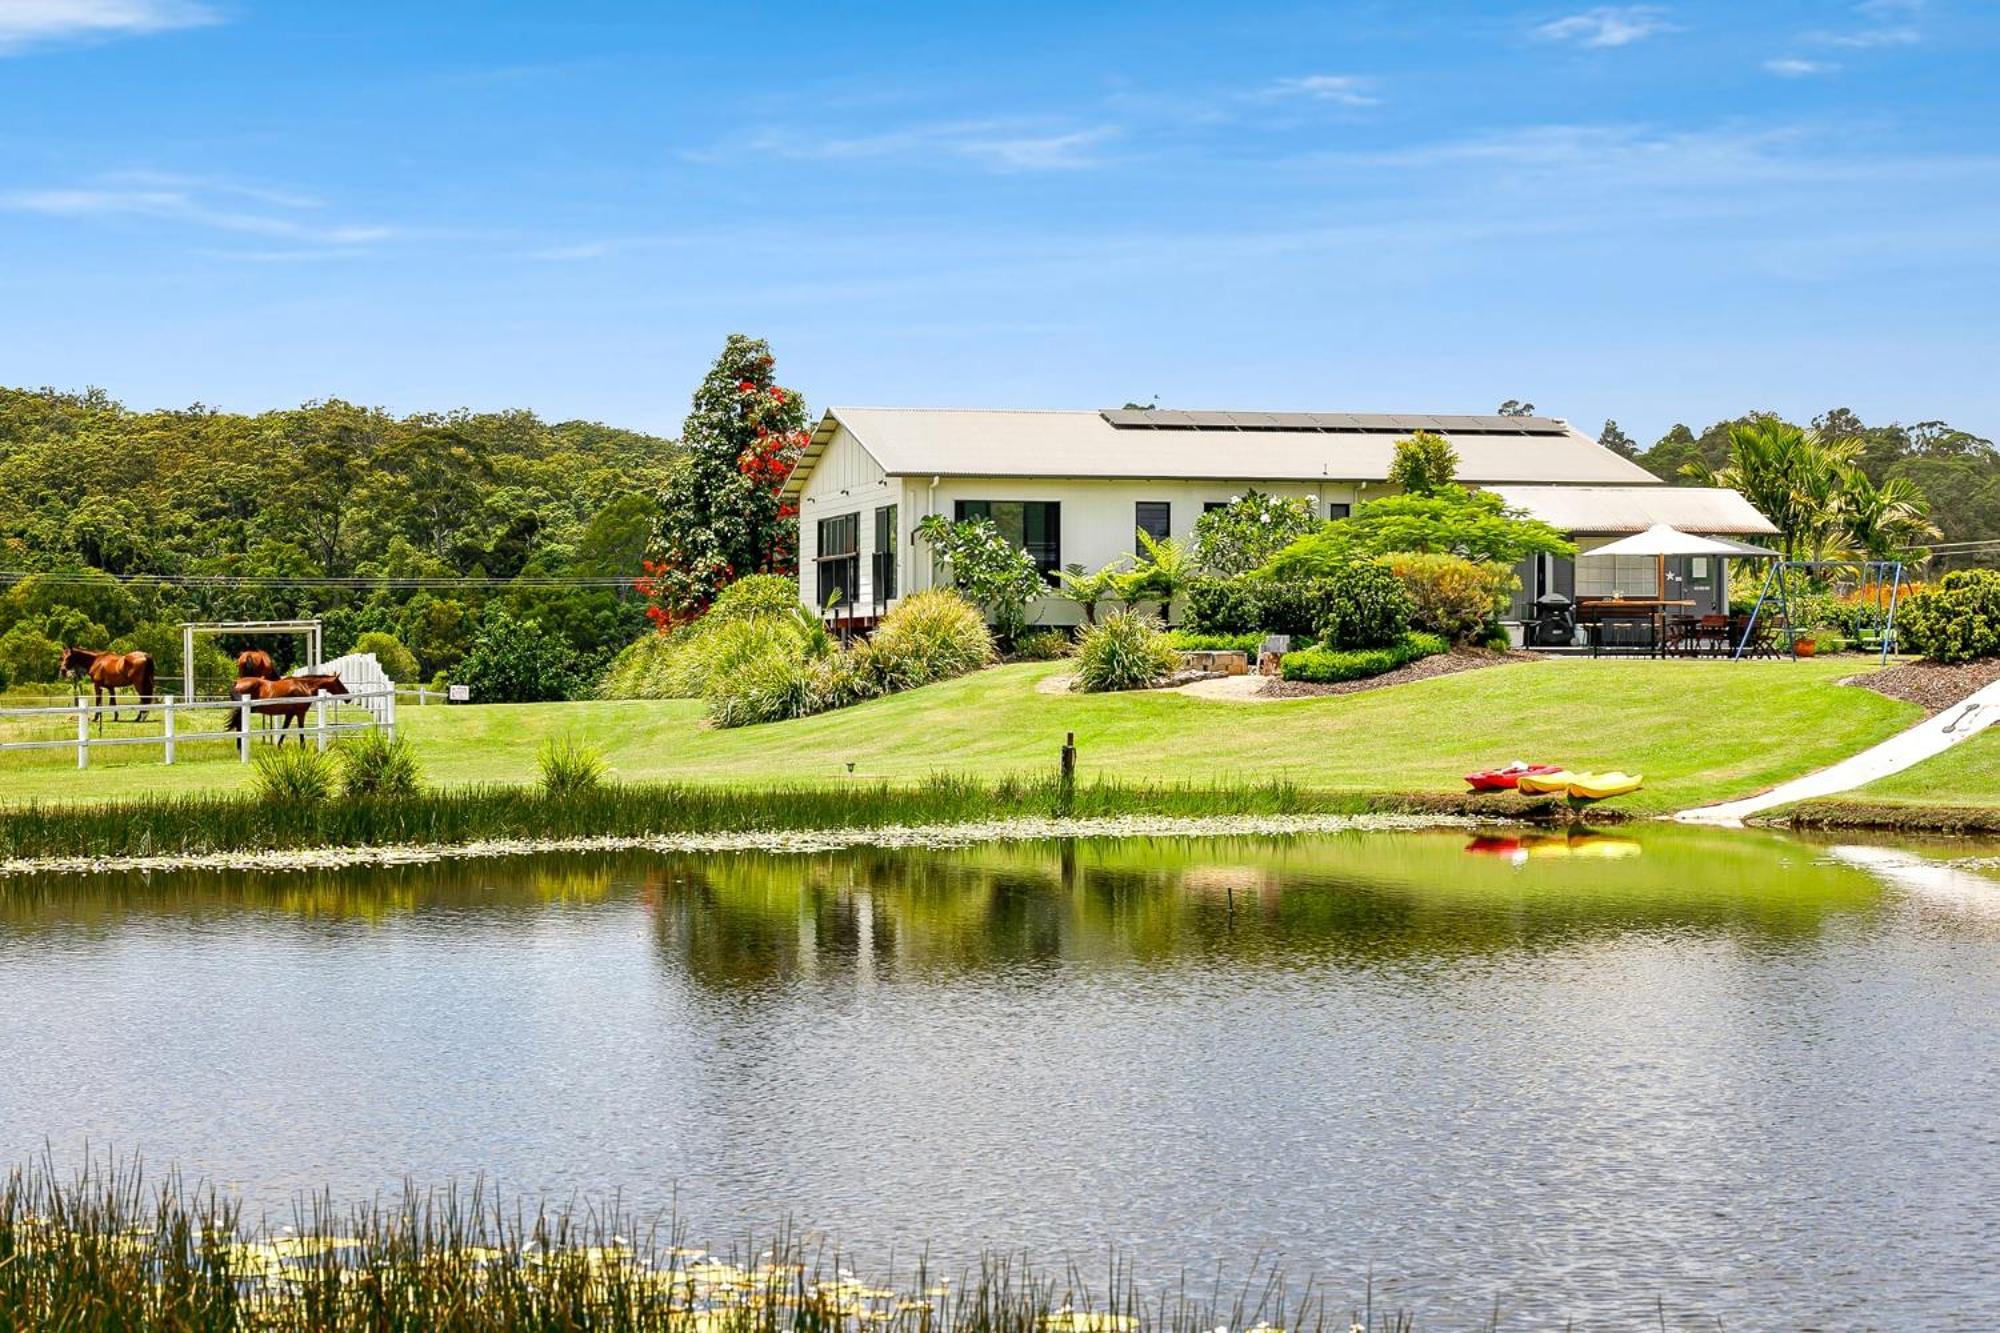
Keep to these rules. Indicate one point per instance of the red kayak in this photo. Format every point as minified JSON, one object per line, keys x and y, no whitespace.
{"x":1503,"y":779}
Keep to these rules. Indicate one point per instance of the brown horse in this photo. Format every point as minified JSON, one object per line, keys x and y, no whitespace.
{"x":288,"y":698}
{"x":255,"y":665}
{"x":109,"y":672}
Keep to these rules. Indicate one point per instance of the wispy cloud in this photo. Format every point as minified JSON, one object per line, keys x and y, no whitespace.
{"x":1886,"y":23}
{"x":194,"y":202}
{"x":1607,"y":25}
{"x":999,"y":145}
{"x":1796,"y":67}
{"x":1339,"y":89}
{"x":24,"y":23}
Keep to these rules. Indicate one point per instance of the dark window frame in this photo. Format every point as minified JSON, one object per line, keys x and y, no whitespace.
{"x":1042,"y":515}
{"x":1161,"y":511}
{"x":840,"y":570}
{"x":883,"y":563}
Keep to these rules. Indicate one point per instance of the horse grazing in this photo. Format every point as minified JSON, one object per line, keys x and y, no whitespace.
{"x":288,"y":697}
{"x":255,"y":665}
{"x":110,"y":672}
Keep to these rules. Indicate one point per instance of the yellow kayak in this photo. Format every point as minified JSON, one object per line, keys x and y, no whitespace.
{"x":1545,"y":784}
{"x":1601,"y":786}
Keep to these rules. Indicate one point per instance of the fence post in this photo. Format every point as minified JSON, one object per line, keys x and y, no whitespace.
{"x":388,"y":715}
{"x":243,"y":730}
{"x":319,"y":720}
{"x":167,"y":707}
{"x":82,"y":734}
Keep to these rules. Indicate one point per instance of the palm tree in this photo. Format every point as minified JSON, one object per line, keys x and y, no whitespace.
{"x":1793,"y":477}
{"x":1886,"y":522}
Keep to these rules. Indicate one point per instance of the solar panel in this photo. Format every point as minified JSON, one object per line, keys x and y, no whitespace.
{"x":1335,"y":423}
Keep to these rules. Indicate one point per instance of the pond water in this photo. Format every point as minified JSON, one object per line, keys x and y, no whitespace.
{"x":1731,"y":1073}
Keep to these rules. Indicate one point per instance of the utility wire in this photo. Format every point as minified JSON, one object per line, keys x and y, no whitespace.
{"x":71,"y":578}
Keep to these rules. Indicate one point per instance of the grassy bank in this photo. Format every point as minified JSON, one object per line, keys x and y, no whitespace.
{"x":1698,"y":730}
{"x":104,"y":1253}
{"x":1955,"y":792}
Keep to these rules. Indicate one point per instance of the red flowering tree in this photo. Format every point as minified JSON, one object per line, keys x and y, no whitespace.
{"x":721,"y":517}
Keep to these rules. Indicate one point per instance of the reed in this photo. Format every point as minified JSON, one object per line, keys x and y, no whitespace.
{"x":102,"y":1251}
{"x":189,"y":825}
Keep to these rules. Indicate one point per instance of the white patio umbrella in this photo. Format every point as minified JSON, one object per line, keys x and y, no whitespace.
{"x":1663,"y":539}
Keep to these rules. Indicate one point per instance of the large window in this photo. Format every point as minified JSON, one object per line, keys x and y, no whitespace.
{"x":839,"y":559}
{"x":1033,"y":525}
{"x":1155,"y":518}
{"x":884,"y":560}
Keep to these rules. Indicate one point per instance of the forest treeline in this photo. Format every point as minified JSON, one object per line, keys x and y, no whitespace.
{"x":329,"y":489}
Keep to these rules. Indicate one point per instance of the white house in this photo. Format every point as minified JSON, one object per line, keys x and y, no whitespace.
{"x":1074,"y":488}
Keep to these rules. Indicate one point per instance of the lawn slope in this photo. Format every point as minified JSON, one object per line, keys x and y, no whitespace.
{"x":1698,"y":730}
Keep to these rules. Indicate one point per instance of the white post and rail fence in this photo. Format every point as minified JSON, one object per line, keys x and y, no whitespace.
{"x":183,"y":721}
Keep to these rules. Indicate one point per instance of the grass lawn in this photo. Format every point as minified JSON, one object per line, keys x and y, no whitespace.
{"x":1965,"y":775}
{"x":1698,"y":730}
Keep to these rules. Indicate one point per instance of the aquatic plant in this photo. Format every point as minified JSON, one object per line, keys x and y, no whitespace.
{"x":374,"y":763}
{"x":570,"y":767}
{"x":101,"y":1252}
{"x":292,"y":774}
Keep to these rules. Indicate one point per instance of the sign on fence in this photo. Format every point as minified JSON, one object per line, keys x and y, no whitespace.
{"x":458,"y":694}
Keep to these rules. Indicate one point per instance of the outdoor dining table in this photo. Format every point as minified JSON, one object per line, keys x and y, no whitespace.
{"x":1652,"y":610}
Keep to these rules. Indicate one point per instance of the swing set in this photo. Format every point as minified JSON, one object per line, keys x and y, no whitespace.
{"x":1883,"y":575}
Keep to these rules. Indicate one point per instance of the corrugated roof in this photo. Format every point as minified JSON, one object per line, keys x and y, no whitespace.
{"x":1709,"y":510}
{"x":956,"y":442}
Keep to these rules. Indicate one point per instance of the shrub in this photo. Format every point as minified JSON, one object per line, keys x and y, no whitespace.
{"x":1044,"y":645}
{"x":570,"y":766}
{"x":1223,"y":606}
{"x":756,"y":595}
{"x":398,"y":661}
{"x":28,"y":656}
{"x":292,"y":774}
{"x":375,"y":763}
{"x":1187,"y":641}
{"x":1451,"y":596}
{"x":1366,"y":607}
{"x":1475,"y":524}
{"x":1326,"y":666}
{"x":995,"y":575}
{"x":768,"y":687}
{"x":930,"y":636}
{"x":516,"y":662}
{"x":640,"y":669}
{"x":1249,"y":530}
{"x":1126,"y":651}
{"x":1955,"y":620}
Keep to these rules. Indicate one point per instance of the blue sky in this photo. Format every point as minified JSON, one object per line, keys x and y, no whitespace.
{"x":1649,"y":212}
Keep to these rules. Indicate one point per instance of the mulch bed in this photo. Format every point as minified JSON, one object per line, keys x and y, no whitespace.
{"x":1443,"y":664}
{"x":1934,"y":687}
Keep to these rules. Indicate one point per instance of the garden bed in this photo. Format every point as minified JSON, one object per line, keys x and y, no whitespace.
{"x":1929,"y":685}
{"x":1439,"y":664}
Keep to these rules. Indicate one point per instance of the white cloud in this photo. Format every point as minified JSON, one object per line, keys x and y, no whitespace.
{"x":1002,"y":145}
{"x":1793,"y":67}
{"x":1340,"y":89}
{"x":1607,"y":25}
{"x":1893,"y":23}
{"x":194,"y":202}
{"x":26,"y":22}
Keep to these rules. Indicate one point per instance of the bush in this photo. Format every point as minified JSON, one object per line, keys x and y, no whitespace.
{"x":1366,"y":607}
{"x":1187,"y":641}
{"x":995,"y":575}
{"x":1044,"y":645}
{"x":28,"y":656}
{"x":756,"y":595}
{"x":375,"y":763}
{"x":640,"y":669}
{"x":1955,"y":620}
{"x":570,"y":766}
{"x":1296,"y":607}
{"x":1249,"y":530}
{"x":770,"y":686}
{"x":1451,"y":596}
{"x":1124,"y":651}
{"x":515,"y":662}
{"x":292,"y":774}
{"x":1327,"y":666}
{"x":1223,"y":606}
{"x":398,"y":661}
{"x":930,"y":636}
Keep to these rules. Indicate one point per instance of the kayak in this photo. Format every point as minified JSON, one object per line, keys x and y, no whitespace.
{"x":1504,"y":779}
{"x":1602,"y":786}
{"x":1554,"y":782}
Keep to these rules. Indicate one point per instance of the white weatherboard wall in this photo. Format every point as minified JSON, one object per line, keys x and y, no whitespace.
{"x":1099,"y":518}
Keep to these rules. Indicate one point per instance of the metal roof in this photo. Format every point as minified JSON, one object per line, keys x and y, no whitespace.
{"x":1606,"y":510}
{"x":1199,"y":446}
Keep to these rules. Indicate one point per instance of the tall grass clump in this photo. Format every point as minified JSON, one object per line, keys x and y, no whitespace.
{"x":932,"y":636}
{"x":375,"y":763}
{"x":569,"y":767}
{"x":292,"y":774}
{"x":102,"y":1251}
{"x":1124,"y":651}
{"x":754,"y":615}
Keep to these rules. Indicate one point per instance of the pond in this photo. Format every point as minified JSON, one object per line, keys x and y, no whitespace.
{"x":1732,"y":1073}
